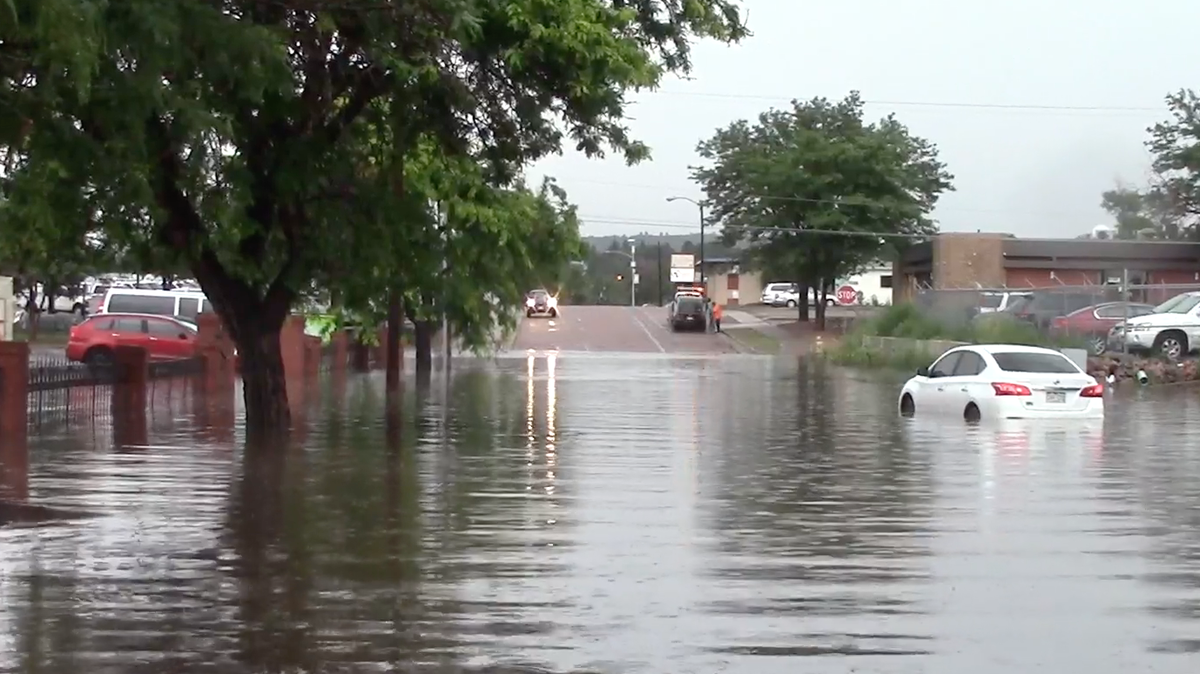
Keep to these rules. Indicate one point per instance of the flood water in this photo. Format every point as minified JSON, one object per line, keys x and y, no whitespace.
{"x":609,"y":514}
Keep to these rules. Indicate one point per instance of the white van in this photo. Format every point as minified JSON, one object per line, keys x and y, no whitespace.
{"x":182,"y":304}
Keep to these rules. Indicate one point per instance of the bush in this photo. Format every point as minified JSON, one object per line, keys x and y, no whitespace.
{"x":906,"y":321}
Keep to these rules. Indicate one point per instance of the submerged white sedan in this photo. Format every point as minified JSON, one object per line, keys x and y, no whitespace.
{"x":1003,"y":381}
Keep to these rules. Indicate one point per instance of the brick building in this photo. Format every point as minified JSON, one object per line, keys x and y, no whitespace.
{"x":955,"y":261}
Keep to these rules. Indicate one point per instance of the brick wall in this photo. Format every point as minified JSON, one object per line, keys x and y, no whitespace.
{"x":1048,"y":278}
{"x":964,"y":260}
{"x":1173,"y":277}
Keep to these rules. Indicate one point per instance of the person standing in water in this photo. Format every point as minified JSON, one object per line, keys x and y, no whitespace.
{"x":716,"y":315}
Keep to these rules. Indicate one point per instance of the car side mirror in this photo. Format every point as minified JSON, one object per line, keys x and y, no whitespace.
{"x":922,"y":372}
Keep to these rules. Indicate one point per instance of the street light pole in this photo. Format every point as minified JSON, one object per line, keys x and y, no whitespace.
{"x":700,"y":206}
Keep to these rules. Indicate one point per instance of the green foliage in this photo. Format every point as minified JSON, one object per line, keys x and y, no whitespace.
{"x":803,"y":183}
{"x":1141,"y":214}
{"x":266,"y":147}
{"x":907,"y":321}
{"x":1169,"y":208}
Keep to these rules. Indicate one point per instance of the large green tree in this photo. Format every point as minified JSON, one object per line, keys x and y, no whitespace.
{"x":1175,"y":144}
{"x":230,"y":135}
{"x":818,"y":191}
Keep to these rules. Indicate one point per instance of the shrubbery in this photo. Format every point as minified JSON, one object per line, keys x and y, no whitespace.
{"x":908,"y":322}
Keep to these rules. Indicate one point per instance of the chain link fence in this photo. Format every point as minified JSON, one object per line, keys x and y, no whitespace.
{"x":1103,"y":318}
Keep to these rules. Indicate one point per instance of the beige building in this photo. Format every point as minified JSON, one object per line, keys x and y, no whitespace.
{"x":729,"y":285}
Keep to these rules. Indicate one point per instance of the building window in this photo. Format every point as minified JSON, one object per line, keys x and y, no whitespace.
{"x":885,"y":281}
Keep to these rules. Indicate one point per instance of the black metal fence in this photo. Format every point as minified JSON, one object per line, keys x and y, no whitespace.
{"x":62,"y":392}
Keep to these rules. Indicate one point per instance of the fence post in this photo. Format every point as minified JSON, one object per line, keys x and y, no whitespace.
{"x":129,"y":396}
{"x":14,"y":420}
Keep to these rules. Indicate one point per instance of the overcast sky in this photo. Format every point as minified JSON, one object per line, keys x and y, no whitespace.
{"x":957,"y":73}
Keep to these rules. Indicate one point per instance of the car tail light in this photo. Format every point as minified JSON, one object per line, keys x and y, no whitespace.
{"x":1059,"y":322}
{"x":1003,"y":389}
{"x":1093,"y":391}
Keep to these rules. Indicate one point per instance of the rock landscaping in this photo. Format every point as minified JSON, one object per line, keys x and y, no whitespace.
{"x":1124,"y":369}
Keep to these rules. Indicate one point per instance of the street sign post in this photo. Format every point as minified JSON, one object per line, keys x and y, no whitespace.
{"x":846,"y":295}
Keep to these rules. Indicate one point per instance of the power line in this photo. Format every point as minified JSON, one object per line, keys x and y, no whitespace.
{"x":693,"y":227}
{"x":844,"y":202}
{"x":1032,"y":107}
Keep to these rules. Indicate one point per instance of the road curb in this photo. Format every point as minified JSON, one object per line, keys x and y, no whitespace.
{"x":743,"y":347}
{"x":738,"y":345}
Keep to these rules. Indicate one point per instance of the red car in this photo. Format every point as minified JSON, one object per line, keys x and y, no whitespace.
{"x":1096,"y":321}
{"x":93,"y":340}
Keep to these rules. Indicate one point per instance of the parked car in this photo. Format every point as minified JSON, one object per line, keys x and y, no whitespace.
{"x":993,"y":301}
{"x":182,"y":304}
{"x":94,"y":340}
{"x":1041,"y":308}
{"x":779,"y":294}
{"x":687,"y":312}
{"x":1096,"y":322}
{"x":1003,"y":381}
{"x":1172,"y":330}
{"x":541,"y":303}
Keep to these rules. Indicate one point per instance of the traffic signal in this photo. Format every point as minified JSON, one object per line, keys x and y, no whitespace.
{"x":620,"y":277}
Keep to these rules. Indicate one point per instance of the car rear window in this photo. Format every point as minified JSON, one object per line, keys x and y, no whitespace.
{"x":690,"y":304}
{"x":1050,"y":363}
{"x":990,"y":301}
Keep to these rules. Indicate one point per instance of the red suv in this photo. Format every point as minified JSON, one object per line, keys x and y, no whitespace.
{"x":93,"y":340}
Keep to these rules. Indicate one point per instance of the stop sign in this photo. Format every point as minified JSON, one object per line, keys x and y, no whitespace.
{"x":846,"y":295}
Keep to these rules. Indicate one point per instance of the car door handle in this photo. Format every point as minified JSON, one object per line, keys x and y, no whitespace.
{"x":941,"y":388}
{"x":963,"y":389}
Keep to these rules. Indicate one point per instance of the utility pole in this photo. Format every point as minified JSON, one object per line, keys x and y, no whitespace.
{"x":661,"y":297}
{"x":633,"y":279}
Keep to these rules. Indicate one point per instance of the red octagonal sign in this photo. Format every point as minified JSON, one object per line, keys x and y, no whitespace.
{"x":846,"y":295}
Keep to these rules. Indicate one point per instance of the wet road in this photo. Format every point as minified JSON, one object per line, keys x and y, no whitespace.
{"x":596,"y":513}
{"x":615,"y":330}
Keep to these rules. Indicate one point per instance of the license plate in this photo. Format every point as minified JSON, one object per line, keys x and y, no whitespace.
{"x":1056,"y":397}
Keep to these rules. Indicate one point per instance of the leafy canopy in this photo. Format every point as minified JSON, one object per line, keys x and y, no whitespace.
{"x":810,"y":186}
{"x":235,"y":136}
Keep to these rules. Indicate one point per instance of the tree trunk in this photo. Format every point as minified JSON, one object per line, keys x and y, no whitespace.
{"x":423,"y":343}
{"x":254,"y":323}
{"x":264,"y":387}
{"x":395,"y":324}
{"x":802,"y":304}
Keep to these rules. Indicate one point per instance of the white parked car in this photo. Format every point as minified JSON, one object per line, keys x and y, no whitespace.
{"x":1172,"y":330}
{"x":780,"y":295}
{"x":1004,"y":381}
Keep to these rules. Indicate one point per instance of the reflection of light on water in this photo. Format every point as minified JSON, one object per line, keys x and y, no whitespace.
{"x":529,"y":363}
{"x":551,"y":412}
{"x":1012,"y":444}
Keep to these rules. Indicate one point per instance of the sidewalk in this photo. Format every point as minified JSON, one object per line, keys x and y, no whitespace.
{"x":752,"y":334}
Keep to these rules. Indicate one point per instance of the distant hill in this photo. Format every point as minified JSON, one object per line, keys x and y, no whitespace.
{"x":675,"y":241}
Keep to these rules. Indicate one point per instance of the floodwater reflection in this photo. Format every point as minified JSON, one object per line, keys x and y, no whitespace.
{"x":735,"y":514}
